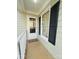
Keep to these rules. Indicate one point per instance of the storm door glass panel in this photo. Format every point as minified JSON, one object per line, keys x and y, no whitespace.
{"x":45,"y":24}
{"x":32,"y":25}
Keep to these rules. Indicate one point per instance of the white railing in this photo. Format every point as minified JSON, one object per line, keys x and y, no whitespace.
{"x":21,"y":45}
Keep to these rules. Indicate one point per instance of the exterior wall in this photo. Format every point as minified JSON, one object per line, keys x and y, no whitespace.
{"x":42,"y":13}
{"x":21,"y":23}
{"x":55,"y":51}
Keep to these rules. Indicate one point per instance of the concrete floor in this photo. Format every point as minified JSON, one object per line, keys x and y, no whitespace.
{"x":35,"y":50}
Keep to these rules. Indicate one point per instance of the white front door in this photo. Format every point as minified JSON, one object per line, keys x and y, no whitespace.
{"x":32,"y":30}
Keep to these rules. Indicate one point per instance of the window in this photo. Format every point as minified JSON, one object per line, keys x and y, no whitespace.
{"x":45,"y":24}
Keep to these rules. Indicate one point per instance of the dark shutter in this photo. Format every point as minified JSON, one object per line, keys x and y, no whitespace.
{"x":53,"y":23}
{"x":39,"y":25}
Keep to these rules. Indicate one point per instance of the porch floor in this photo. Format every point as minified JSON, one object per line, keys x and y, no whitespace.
{"x":35,"y":50}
